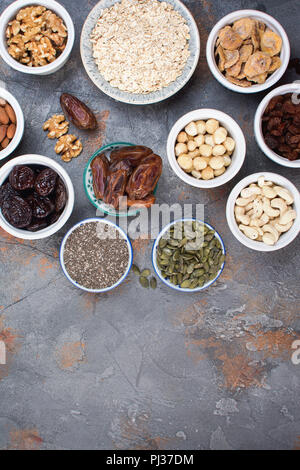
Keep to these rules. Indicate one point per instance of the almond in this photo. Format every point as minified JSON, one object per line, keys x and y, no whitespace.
{"x":5,"y":143}
{"x":3,"y":130}
{"x":4,"y":119}
{"x":2,"y":102}
{"x":11,"y":131}
{"x":11,"y":114}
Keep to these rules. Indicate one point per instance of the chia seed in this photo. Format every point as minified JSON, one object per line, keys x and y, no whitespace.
{"x":96,"y":255}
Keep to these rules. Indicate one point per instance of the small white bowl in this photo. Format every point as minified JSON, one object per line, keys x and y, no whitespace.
{"x":32,"y":159}
{"x":237,"y":158}
{"x":123,"y":235}
{"x":158,"y":272}
{"x":228,"y":20}
{"x":19,"y":125}
{"x":287,"y":237}
{"x":9,"y":14}
{"x":282,"y":90}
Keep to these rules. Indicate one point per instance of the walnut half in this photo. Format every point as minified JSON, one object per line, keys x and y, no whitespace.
{"x":69,"y":147}
{"x":57,"y":126}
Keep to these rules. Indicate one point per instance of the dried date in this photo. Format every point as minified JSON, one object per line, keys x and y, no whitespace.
{"x":78,"y":112}
{"x":131,"y":154}
{"x":115,"y":187}
{"x":45,"y":182}
{"x":21,"y":178}
{"x":17,"y":212}
{"x":145,"y":177}
{"x":100,"y":171}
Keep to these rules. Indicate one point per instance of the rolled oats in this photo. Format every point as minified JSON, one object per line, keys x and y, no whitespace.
{"x":140,"y":46}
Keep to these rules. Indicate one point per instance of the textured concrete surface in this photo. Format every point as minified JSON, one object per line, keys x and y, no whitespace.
{"x":137,"y":369}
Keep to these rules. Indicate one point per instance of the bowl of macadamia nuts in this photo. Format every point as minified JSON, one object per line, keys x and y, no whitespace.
{"x":206,"y":148}
{"x":11,"y":123}
{"x":263,"y":211}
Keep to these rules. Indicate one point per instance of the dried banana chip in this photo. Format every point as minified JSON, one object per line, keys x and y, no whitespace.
{"x":255,"y":36}
{"x":259,"y":78}
{"x":235,"y":70}
{"x":242,"y":73}
{"x":243,"y":27}
{"x":258,"y":63}
{"x":243,"y":83}
{"x":229,"y":39}
{"x":231,"y":58}
{"x":271,"y":43}
{"x":245,"y":52}
{"x":221,"y":64}
{"x":275,"y":64}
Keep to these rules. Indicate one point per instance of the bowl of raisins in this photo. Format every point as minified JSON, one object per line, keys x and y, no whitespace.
{"x":36,"y":197}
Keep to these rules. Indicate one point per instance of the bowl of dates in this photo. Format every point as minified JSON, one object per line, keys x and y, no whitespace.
{"x":121,"y":178}
{"x":11,"y":123}
{"x":277,"y":125}
{"x":36,"y":197}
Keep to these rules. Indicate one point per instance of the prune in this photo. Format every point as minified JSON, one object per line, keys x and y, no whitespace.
{"x":53,"y":217}
{"x":115,"y":187}
{"x":6,"y":192}
{"x":60,"y":196}
{"x":45,"y":182}
{"x":100,"y":170}
{"x":145,"y":177}
{"x":78,"y":112}
{"x":41,"y":206}
{"x":21,"y":177}
{"x":17,"y":212}
{"x":36,"y":225}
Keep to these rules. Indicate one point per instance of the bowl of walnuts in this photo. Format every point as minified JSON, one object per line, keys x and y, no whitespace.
{"x":36,"y":39}
{"x":206,"y":148}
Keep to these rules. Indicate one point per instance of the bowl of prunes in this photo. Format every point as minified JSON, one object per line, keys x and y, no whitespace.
{"x":36,"y":197}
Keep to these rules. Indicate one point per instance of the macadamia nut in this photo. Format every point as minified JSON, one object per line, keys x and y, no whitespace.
{"x":203,"y":149}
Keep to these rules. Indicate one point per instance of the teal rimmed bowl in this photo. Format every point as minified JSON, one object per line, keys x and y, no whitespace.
{"x":88,"y":184}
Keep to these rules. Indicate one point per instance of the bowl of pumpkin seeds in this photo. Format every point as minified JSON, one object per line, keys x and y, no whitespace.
{"x":188,"y":255}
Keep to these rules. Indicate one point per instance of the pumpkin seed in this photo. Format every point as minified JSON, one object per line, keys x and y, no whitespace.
{"x":153,"y":283}
{"x":162,"y":242}
{"x":136,"y":270}
{"x":145,"y":273}
{"x":185,"y":284}
{"x":144,"y":282}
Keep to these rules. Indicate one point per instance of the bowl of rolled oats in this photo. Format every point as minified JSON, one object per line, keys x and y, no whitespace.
{"x":248,"y":51}
{"x":140,"y":51}
{"x":36,"y":39}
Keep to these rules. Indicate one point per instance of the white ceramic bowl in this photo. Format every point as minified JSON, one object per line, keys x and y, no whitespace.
{"x":166,"y":281}
{"x":282,"y":90}
{"x":20,"y":123}
{"x":234,"y":131}
{"x":32,"y":159}
{"x":91,"y":68}
{"x":228,"y":20}
{"x":123,"y":235}
{"x":10,"y":12}
{"x":287,"y":237}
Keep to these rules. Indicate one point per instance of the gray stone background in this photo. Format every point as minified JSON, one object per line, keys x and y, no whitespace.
{"x":149,"y":369}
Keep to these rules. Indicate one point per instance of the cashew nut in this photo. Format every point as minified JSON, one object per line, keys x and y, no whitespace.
{"x":247,"y":192}
{"x":285,"y":194}
{"x":287,"y":217}
{"x":269,"y":192}
{"x":268,"y":209}
{"x":279,"y":203}
{"x":283,"y":228}
{"x":268,"y":239}
{"x":269,"y":228}
{"x":250,"y":232}
{"x":261,"y":182}
{"x":241,"y":201}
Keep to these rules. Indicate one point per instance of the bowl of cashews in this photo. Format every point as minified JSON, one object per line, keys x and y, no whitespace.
{"x":263,"y":211}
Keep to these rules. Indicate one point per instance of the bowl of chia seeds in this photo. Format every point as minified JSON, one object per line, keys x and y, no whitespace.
{"x":188,"y":255}
{"x":96,"y":255}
